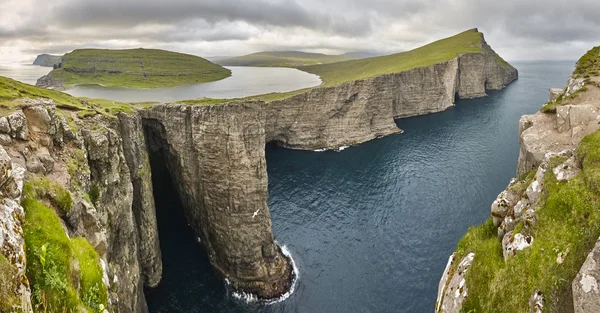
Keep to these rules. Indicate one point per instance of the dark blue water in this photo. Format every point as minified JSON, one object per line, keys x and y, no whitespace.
{"x":371,"y":228}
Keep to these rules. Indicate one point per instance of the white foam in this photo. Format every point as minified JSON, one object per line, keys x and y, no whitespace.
{"x":342,"y":148}
{"x":320,"y":150}
{"x":252,"y":298}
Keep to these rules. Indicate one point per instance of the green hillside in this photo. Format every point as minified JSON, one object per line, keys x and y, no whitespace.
{"x":282,"y":59}
{"x":12,"y":94}
{"x":135,"y":68}
{"x":439,"y":51}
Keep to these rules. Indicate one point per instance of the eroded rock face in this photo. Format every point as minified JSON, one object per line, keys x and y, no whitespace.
{"x":456,"y":290}
{"x":216,"y":156}
{"x":586,"y":285}
{"x":136,"y":155}
{"x":111,"y":175}
{"x":12,"y":243}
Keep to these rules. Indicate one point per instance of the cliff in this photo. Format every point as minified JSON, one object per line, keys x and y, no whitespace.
{"x":77,"y":213}
{"x":538,"y":250}
{"x":87,"y":169}
{"x":47,"y":60}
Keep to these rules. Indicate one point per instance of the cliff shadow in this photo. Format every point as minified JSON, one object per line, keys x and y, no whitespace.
{"x":188,"y":279}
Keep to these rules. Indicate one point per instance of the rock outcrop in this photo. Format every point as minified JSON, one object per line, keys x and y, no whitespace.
{"x":12,"y":243}
{"x":586,"y":290}
{"x":103,"y":164}
{"x":550,"y":159}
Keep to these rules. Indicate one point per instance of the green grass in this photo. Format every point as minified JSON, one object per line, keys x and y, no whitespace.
{"x":550,"y":107}
{"x":436,"y":52}
{"x":135,"y":68}
{"x":282,"y":59}
{"x":7,"y":285}
{"x":93,"y":291}
{"x":41,"y":187}
{"x":50,"y":262}
{"x":589,"y":64}
{"x":12,"y":92}
{"x":568,"y":220}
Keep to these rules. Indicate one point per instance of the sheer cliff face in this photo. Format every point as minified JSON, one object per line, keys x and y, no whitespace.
{"x":216,"y":156}
{"x":102,"y":154}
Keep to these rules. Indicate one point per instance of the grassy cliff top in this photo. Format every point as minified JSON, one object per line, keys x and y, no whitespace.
{"x":435,"y":52}
{"x":135,"y":68}
{"x":282,"y":59}
{"x":589,"y":64}
{"x":12,"y":94}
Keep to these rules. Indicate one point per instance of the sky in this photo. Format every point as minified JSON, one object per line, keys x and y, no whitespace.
{"x":516,"y":29}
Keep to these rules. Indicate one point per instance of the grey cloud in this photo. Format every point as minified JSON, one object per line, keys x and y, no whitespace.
{"x":333,"y":25}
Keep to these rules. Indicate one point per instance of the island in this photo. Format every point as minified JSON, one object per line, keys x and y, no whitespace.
{"x":133,"y":68}
{"x":76,"y":188}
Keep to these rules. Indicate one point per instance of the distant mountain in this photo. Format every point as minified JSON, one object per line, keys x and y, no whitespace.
{"x":47,"y":60}
{"x":218,"y":57}
{"x":361,"y":54}
{"x":282,"y":58}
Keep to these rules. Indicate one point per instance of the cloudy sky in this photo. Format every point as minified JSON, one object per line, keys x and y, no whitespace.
{"x":517,"y":29}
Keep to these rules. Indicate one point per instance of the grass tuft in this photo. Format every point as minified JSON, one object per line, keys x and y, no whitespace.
{"x":50,"y":258}
{"x":7,"y":284}
{"x":41,"y":187}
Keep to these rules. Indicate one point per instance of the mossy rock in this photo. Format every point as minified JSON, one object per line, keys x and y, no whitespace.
{"x":8,"y":297}
{"x":41,"y":187}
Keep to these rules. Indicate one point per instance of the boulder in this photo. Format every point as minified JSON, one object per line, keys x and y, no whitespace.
{"x":586,"y":285}
{"x":505,"y":200}
{"x":18,"y":125}
{"x":456,"y":290}
{"x":536,"y":302}
{"x":567,"y":170}
{"x":573,"y":85}
{"x":555,"y":93}
{"x":513,"y":243}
